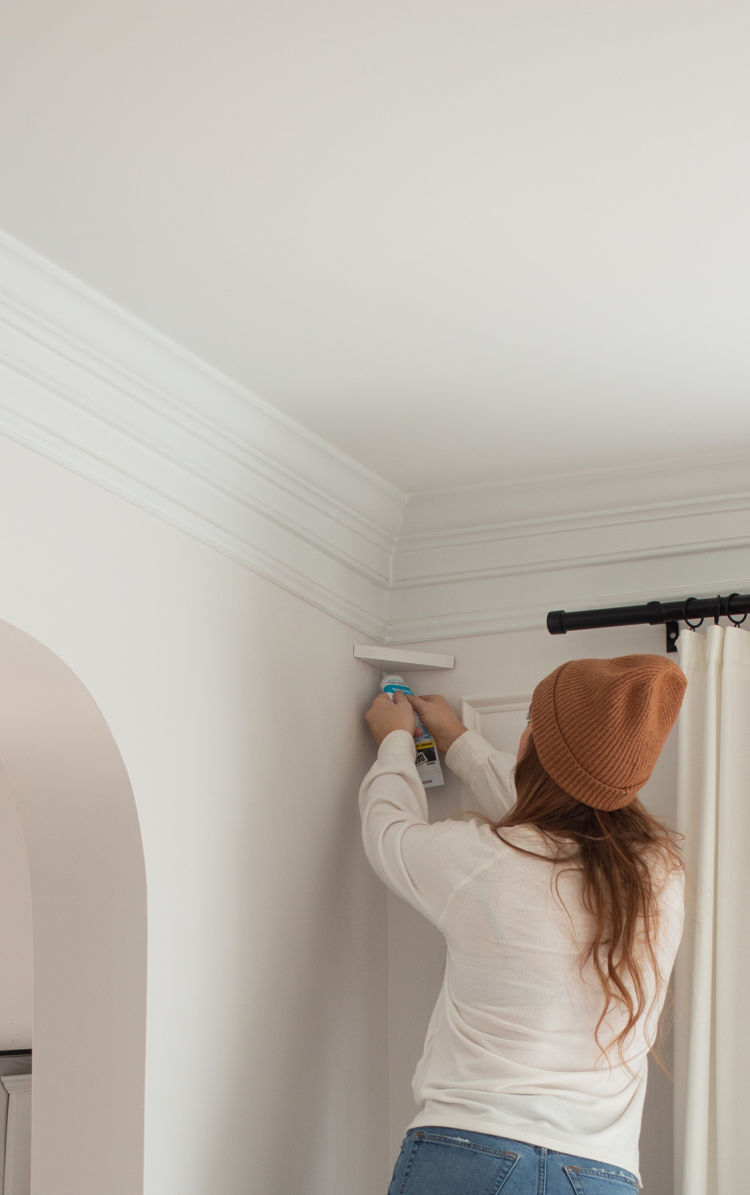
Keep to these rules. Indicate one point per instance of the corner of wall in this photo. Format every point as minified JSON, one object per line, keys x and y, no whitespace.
{"x":104,"y":395}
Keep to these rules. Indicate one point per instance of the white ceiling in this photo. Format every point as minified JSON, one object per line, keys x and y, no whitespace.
{"x":463,"y":242}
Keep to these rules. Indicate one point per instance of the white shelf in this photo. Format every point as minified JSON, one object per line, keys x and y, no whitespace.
{"x":388,"y":658}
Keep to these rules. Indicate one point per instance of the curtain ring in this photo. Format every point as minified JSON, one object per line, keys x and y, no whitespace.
{"x":737,"y":621}
{"x":693,"y":625}
{"x":717,"y":615}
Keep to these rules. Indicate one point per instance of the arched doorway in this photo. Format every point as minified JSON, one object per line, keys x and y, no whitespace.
{"x":61,"y":766}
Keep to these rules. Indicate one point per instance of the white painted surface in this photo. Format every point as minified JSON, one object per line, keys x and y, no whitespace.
{"x":496,"y":676}
{"x":394,"y":657}
{"x":237,"y":709}
{"x":88,"y":386}
{"x":184,"y":648}
{"x":462,"y":243}
{"x":63,"y":770}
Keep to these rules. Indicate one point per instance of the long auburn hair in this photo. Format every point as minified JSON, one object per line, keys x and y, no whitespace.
{"x":616,"y":852}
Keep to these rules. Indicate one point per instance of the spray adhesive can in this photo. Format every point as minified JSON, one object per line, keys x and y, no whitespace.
{"x":428,"y":762}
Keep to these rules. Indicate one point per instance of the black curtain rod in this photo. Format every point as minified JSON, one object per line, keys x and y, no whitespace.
{"x":559,"y":622}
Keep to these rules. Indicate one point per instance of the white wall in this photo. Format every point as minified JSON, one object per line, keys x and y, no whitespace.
{"x":237,"y":710}
{"x":236,"y":705}
{"x":62,"y":769}
{"x":508,"y":665}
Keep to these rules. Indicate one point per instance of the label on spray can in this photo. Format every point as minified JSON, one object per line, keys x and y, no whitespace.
{"x":427,"y":761}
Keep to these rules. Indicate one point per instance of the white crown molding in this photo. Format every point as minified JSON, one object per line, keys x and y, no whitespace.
{"x":518,"y":602}
{"x":470,"y":561}
{"x":555,"y":544}
{"x":632,"y":493}
{"x":92,"y":388}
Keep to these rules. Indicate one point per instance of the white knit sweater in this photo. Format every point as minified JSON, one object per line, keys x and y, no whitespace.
{"x":510,"y":1047}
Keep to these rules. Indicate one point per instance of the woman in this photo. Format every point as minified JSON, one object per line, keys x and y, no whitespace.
{"x":561,"y":903}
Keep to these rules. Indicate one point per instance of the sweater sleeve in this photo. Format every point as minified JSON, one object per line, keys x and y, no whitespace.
{"x":486,"y":771}
{"x":420,"y":862}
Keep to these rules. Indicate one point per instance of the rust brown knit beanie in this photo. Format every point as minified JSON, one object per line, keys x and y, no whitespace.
{"x":599,"y":725}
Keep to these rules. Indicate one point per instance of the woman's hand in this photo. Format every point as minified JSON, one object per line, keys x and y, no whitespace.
{"x":437,"y":716}
{"x":385,"y":715}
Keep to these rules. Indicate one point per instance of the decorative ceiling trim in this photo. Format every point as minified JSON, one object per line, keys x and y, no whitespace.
{"x":493,"y":605}
{"x":90,"y":387}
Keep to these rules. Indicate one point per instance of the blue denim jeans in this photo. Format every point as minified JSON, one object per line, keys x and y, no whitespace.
{"x":439,"y":1161}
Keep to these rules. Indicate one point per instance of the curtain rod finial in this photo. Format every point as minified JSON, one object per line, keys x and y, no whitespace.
{"x":555,"y":624}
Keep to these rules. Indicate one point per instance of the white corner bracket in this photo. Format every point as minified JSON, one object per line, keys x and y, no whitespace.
{"x":391,"y":658}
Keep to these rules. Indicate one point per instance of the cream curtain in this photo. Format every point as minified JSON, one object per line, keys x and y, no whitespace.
{"x":712,"y":975}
